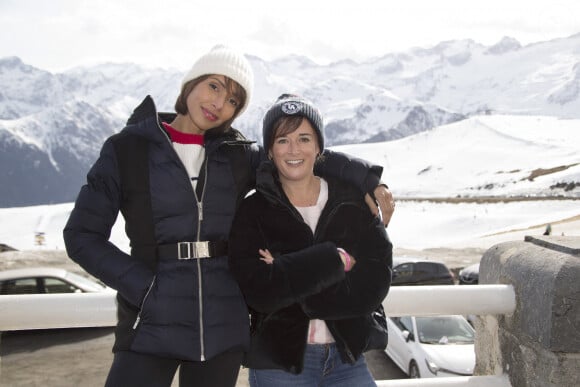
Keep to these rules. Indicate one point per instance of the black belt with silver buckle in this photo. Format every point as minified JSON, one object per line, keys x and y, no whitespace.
{"x":192,"y":250}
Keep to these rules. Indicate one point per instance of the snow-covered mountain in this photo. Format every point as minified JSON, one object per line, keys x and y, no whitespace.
{"x":52,"y":125}
{"x":498,"y":156}
{"x":483,"y":156}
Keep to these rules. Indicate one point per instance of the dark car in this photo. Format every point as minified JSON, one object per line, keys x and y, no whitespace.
{"x":469,"y":275}
{"x":420,"y":271}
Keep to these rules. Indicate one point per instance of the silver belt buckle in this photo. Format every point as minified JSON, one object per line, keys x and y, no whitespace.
{"x":201,"y":249}
{"x":191,"y":250}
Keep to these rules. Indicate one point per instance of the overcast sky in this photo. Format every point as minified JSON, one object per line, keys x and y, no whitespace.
{"x":60,"y":34}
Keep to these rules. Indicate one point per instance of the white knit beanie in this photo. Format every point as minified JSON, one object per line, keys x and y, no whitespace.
{"x":223,"y":60}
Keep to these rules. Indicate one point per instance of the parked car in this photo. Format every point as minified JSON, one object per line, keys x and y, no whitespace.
{"x":51,"y":298}
{"x":435,"y":346}
{"x":43,"y":280}
{"x":469,"y":275}
{"x":420,"y":271}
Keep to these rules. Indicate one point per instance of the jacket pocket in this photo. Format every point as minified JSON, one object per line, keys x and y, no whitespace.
{"x":143,"y":302}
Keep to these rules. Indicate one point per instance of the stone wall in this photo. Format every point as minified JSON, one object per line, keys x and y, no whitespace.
{"x":539,"y":344}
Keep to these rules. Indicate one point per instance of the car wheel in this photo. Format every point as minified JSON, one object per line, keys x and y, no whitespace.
{"x":414,"y":370}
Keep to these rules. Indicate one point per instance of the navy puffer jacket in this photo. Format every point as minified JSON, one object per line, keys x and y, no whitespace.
{"x":192,"y":309}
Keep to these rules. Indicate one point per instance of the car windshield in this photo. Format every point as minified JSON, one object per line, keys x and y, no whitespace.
{"x":445,"y":330}
{"x":86,"y":283}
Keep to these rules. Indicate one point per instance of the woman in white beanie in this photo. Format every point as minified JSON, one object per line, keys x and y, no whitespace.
{"x":177,"y":179}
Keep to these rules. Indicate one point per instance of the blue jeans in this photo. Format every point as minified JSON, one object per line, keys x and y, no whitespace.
{"x":322,"y":368}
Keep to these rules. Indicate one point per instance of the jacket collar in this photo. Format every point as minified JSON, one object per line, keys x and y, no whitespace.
{"x":146,"y":115}
{"x":144,"y":111}
{"x":268,"y":184}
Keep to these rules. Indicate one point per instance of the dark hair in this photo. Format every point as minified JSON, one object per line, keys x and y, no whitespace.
{"x":283,"y":126}
{"x":233,"y":88}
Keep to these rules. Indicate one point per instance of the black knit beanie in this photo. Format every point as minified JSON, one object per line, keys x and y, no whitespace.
{"x":291,"y":105}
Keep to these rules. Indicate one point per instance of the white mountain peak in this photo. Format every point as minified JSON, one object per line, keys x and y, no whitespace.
{"x":63,"y":118}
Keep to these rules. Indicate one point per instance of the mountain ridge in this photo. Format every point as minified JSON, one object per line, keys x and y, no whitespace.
{"x":56,"y":122}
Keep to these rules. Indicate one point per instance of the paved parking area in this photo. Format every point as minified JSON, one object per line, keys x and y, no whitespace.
{"x":82,"y":357}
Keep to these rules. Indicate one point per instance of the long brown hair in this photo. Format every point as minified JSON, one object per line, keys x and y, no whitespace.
{"x":233,"y":88}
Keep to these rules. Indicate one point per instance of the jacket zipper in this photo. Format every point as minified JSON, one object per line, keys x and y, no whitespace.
{"x":138,"y":319}
{"x":199,"y":276}
{"x":199,"y":220}
{"x":326,"y":216}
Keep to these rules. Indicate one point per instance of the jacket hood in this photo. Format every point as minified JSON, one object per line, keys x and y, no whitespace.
{"x":268,"y":184}
{"x":145,"y":118}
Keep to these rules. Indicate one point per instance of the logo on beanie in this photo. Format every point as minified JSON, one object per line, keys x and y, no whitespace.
{"x":291,"y":107}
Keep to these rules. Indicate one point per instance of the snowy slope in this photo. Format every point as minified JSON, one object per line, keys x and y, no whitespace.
{"x":481,"y":156}
{"x":496,"y":151}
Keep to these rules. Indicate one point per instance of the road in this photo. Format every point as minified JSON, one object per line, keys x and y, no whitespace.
{"x":81,"y":357}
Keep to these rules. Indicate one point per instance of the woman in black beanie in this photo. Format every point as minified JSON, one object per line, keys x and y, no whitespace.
{"x":313,"y":263}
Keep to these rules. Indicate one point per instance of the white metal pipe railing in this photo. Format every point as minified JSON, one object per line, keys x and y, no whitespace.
{"x":21,"y":312}
{"x":65,"y":310}
{"x":457,"y":381}
{"x":450,"y":299}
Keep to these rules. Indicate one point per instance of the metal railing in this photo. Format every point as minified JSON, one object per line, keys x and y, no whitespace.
{"x":450,"y":299}
{"x":458,"y":381}
{"x":22,"y":312}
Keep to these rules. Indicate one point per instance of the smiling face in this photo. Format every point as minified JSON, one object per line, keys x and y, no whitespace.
{"x":294,"y":153}
{"x":210,"y":104}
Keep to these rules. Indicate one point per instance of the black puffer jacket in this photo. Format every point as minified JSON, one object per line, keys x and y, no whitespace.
{"x":307,"y":279}
{"x":190,"y":309}
{"x":193,"y":309}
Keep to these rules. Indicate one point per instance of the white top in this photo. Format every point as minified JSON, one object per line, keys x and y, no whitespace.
{"x":318,"y":332}
{"x":190,"y":149}
{"x":191,"y":156}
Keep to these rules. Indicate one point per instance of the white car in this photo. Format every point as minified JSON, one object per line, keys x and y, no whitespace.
{"x":51,"y":298}
{"x":429,"y":347}
{"x":45,"y":280}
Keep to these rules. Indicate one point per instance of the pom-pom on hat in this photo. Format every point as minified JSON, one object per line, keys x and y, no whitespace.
{"x":292,"y":105}
{"x":223,"y":60}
